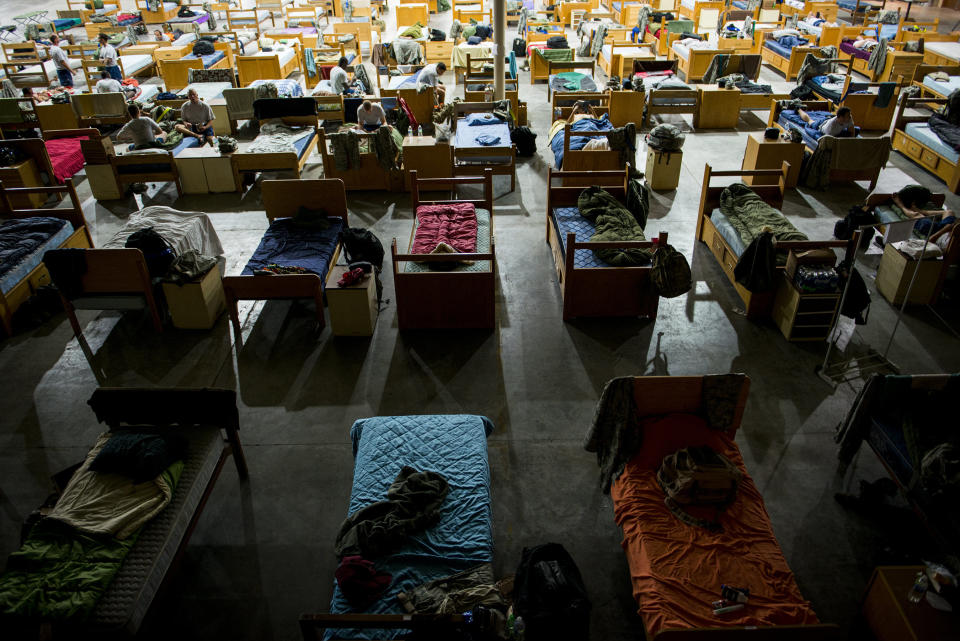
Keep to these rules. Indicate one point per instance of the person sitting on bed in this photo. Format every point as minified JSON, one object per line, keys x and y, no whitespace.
{"x":106,"y":84}
{"x":198,"y":119}
{"x":142,"y":130}
{"x":840,"y":125}
{"x":430,"y":77}
{"x":339,"y":79}
{"x":370,"y":116}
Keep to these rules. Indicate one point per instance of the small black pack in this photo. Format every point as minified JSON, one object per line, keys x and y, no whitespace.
{"x":519,"y":47}
{"x":361,"y":245}
{"x":550,"y":595}
{"x":856,"y":218}
{"x":203,"y":48}
{"x":156,"y":251}
{"x":436,"y":35}
{"x":525,"y":140}
{"x":557,"y":42}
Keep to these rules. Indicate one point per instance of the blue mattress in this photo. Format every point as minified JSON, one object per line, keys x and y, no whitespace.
{"x":851,"y":5}
{"x":778,"y":48}
{"x":891,"y":447}
{"x":208,"y":60}
{"x":728,"y":232}
{"x":303,"y":145}
{"x":888,"y":31}
{"x":62,"y":24}
{"x":942,"y":88}
{"x":740,"y":4}
{"x":568,"y":220}
{"x":577,"y":142}
{"x":290,"y":245}
{"x":186,"y":143}
{"x":404,"y":82}
{"x":467,"y":137}
{"x":921,"y":132}
{"x":286,"y":87}
{"x":17,"y":272}
{"x":789,"y":119}
{"x":454,"y":446}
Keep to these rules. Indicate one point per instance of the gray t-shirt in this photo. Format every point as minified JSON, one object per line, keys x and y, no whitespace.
{"x":108,"y":85}
{"x":59,"y":58}
{"x":834,"y":127}
{"x":339,"y":80}
{"x":142,"y":130}
{"x":373,"y":117}
{"x":428,"y":76}
{"x":108,"y":55}
{"x":196,"y":114}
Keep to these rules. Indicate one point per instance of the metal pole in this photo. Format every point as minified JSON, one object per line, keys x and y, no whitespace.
{"x":500,"y":38}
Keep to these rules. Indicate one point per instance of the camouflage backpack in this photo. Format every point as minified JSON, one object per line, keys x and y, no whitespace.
{"x":670,"y":272}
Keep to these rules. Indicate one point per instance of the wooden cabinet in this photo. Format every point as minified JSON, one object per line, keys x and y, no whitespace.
{"x":717,"y":108}
{"x":427,"y":157}
{"x":663,"y":169}
{"x":803,"y":317}
{"x":23,"y":174}
{"x":770,"y":154}
{"x":204,"y":171}
{"x":895,"y":272}
{"x":353,"y":309}
{"x":196,"y":304}
{"x":439,"y":51}
{"x":891,"y":617}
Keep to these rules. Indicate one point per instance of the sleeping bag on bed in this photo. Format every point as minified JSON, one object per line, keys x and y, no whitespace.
{"x":450,"y":228}
{"x":613,"y":222}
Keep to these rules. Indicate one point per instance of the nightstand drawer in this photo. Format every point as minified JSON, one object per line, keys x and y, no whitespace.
{"x":929,"y":159}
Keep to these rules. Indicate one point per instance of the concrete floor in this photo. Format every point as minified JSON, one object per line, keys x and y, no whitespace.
{"x":262,"y":553}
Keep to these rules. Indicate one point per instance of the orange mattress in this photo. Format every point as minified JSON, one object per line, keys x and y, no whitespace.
{"x":677,"y":569}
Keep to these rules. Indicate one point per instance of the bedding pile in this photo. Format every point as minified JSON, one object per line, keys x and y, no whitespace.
{"x":449,"y":228}
{"x":20,"y":237}
{"x":65,"y":157}
{"x":613,"y":222}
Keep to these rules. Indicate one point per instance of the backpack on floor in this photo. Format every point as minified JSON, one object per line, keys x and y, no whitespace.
{"x":550,"y":595}
{"x":670,"y":272}
{"x":519,"y":47}
{"x":698,"y":476}
{"x":525,"y":140}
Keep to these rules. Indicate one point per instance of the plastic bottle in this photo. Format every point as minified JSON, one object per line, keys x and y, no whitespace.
{"x":519,"y":627}
{"x":919,"y":587}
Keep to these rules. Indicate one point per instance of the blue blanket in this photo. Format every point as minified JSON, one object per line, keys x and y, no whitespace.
{"x":578,"y":142}
{"x":20,"y":237}
{"x":454,"y":446}
{"x":290,"y":245}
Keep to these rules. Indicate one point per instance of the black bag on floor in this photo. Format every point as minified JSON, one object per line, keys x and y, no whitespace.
{"x":519,"y":47}
{"x":550,"y":595}
{"x":557,"y":42}
{"x":525,"y":140}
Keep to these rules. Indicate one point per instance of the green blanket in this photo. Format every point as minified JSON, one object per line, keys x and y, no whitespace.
{"x":60,"y":573}
{"x":750,"y":215}
{"x":557,"y":55}
{"x":612,"y":222}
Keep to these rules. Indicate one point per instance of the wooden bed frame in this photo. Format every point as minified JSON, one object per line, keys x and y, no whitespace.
{"x":175,"y":72}
{"x":540,"y":68}
{"x":846,"y":148}
{"x":283,"y":199}
{"x":921,"y":71}
{"x":933,"y":58}
{"x":597,"y":291}
{"x":260,"y":67}
{"x":368,"y":176}
{"x":363,"y":32}
{"x":695,"y":14}
{"x":553,"y":29}
{"x":11,"y":301}
{"x":446,"y":299}
{"x":672,"y":107}
{"x":513,"y":95}
{"x":330,"y":114}
{"x":866,"y":116}
{"x":584,"y":160}
{"x":130,"y":161}
{"x":897,"y":64}
{"x":789,"y":67}
{"x":77,"y":9}
{"x":561,"y":12}
{"x":19,"y":55}
{"x":36,"y":148}
{"x":621,"y":64}
{"x":408,"y":14}
{"x":562,"y":103}
{"x":662,"y":395}
{"x":484,"y":16}
{"x":92,"y":68}
{"x":696,"y":63}
{"x":154,"y":17}
{"x":421,"y":103}
{"x":463,"y":165}
{"x":757,"y":305}
{"x":661,"y":45}
{"x":86,"y":107}
{"x":560,"y":66}
{"x":277,"y":161}
{"x":232,"y":15}
{"x":930,"y":159}
{"x":310,"y":14}
{"x":827,"y":10}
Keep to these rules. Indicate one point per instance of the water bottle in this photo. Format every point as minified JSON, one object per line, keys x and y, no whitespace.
{"x":919,"y":587}
{"x":519,"y":629}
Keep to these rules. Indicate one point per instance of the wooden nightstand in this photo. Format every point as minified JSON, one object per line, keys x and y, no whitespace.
{"x":23,"y":174}
{"x":429,"y":158}
{"x":663,"y":169}
{"x":770,"y":154}
{"x":439,"y":50}
{"x":895,"y":273}
{"x":353,"y":310}
{"x":891,"y":617}
{"x":717,"y":108}
{"x":801,"y":316}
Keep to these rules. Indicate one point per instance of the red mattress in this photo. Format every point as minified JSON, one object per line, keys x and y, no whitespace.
{"x":847,"y":47}
{"x":677,"y":569}
{"x":65,"y":156}
{"x":454,"y":225}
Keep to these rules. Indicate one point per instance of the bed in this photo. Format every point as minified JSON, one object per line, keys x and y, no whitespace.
{"x":785,"y":59}
{"x":95,"y":109}
{"x":827,"y":10}
{"x":668,"y":95}
{"x":408,"y":14}
{"x":197,"y":416}
{"x":854,"y":7}
{"x":659,"y":35}
{"x":315,"y":249}
{"x":563,"y":76}
{"x":543,"y":31}
{"x":130,"y":66}
{"x":471,"y":156}
{"x":175,"y":72}
{"x":467,"y":10}
{"x":370,"y":174}
{"x":284,"y":143}
{"x":860,"y":97}
{"x":462,"y":51}
{"x":27,"y":65}
{"x":589,"y":286}
{"x":941,"y":53}
{"x":421,"y":103}
{"x":448,"y":290}
{"x":913,"y":138}
{"x":693,"y":58}
{"x":58,"y":154}
{"x":61,"y":228}
{"x":166,"y":11}
{"x":246,"y":19}
{"x":616,"y":58}
{"x":562,"y":102}
{"x":540,"y":60}
{"x":453,"y":446}
{"x":725,"y":243}
{"x":567,"y":141}
{"x":851,"y":158}
{"x":81,"y":9}
{"x":922,"y":79}
{"x":705,"y":15}
{"x":676,"y":569}
{"x":279,"y":63}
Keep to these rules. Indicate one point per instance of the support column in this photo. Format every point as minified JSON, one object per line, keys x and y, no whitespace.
{"x":500,"y":38}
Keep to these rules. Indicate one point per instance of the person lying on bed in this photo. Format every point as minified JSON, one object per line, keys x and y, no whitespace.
{"x":840,"y":124}
{"x":198,"y":119}
{"x":142,"y":130}
{"x":911,"y":200}
{"x":581,"y":109}
{"x":339,"y":78}
{"x":430,"y":77}
{"x":370,"y":116}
